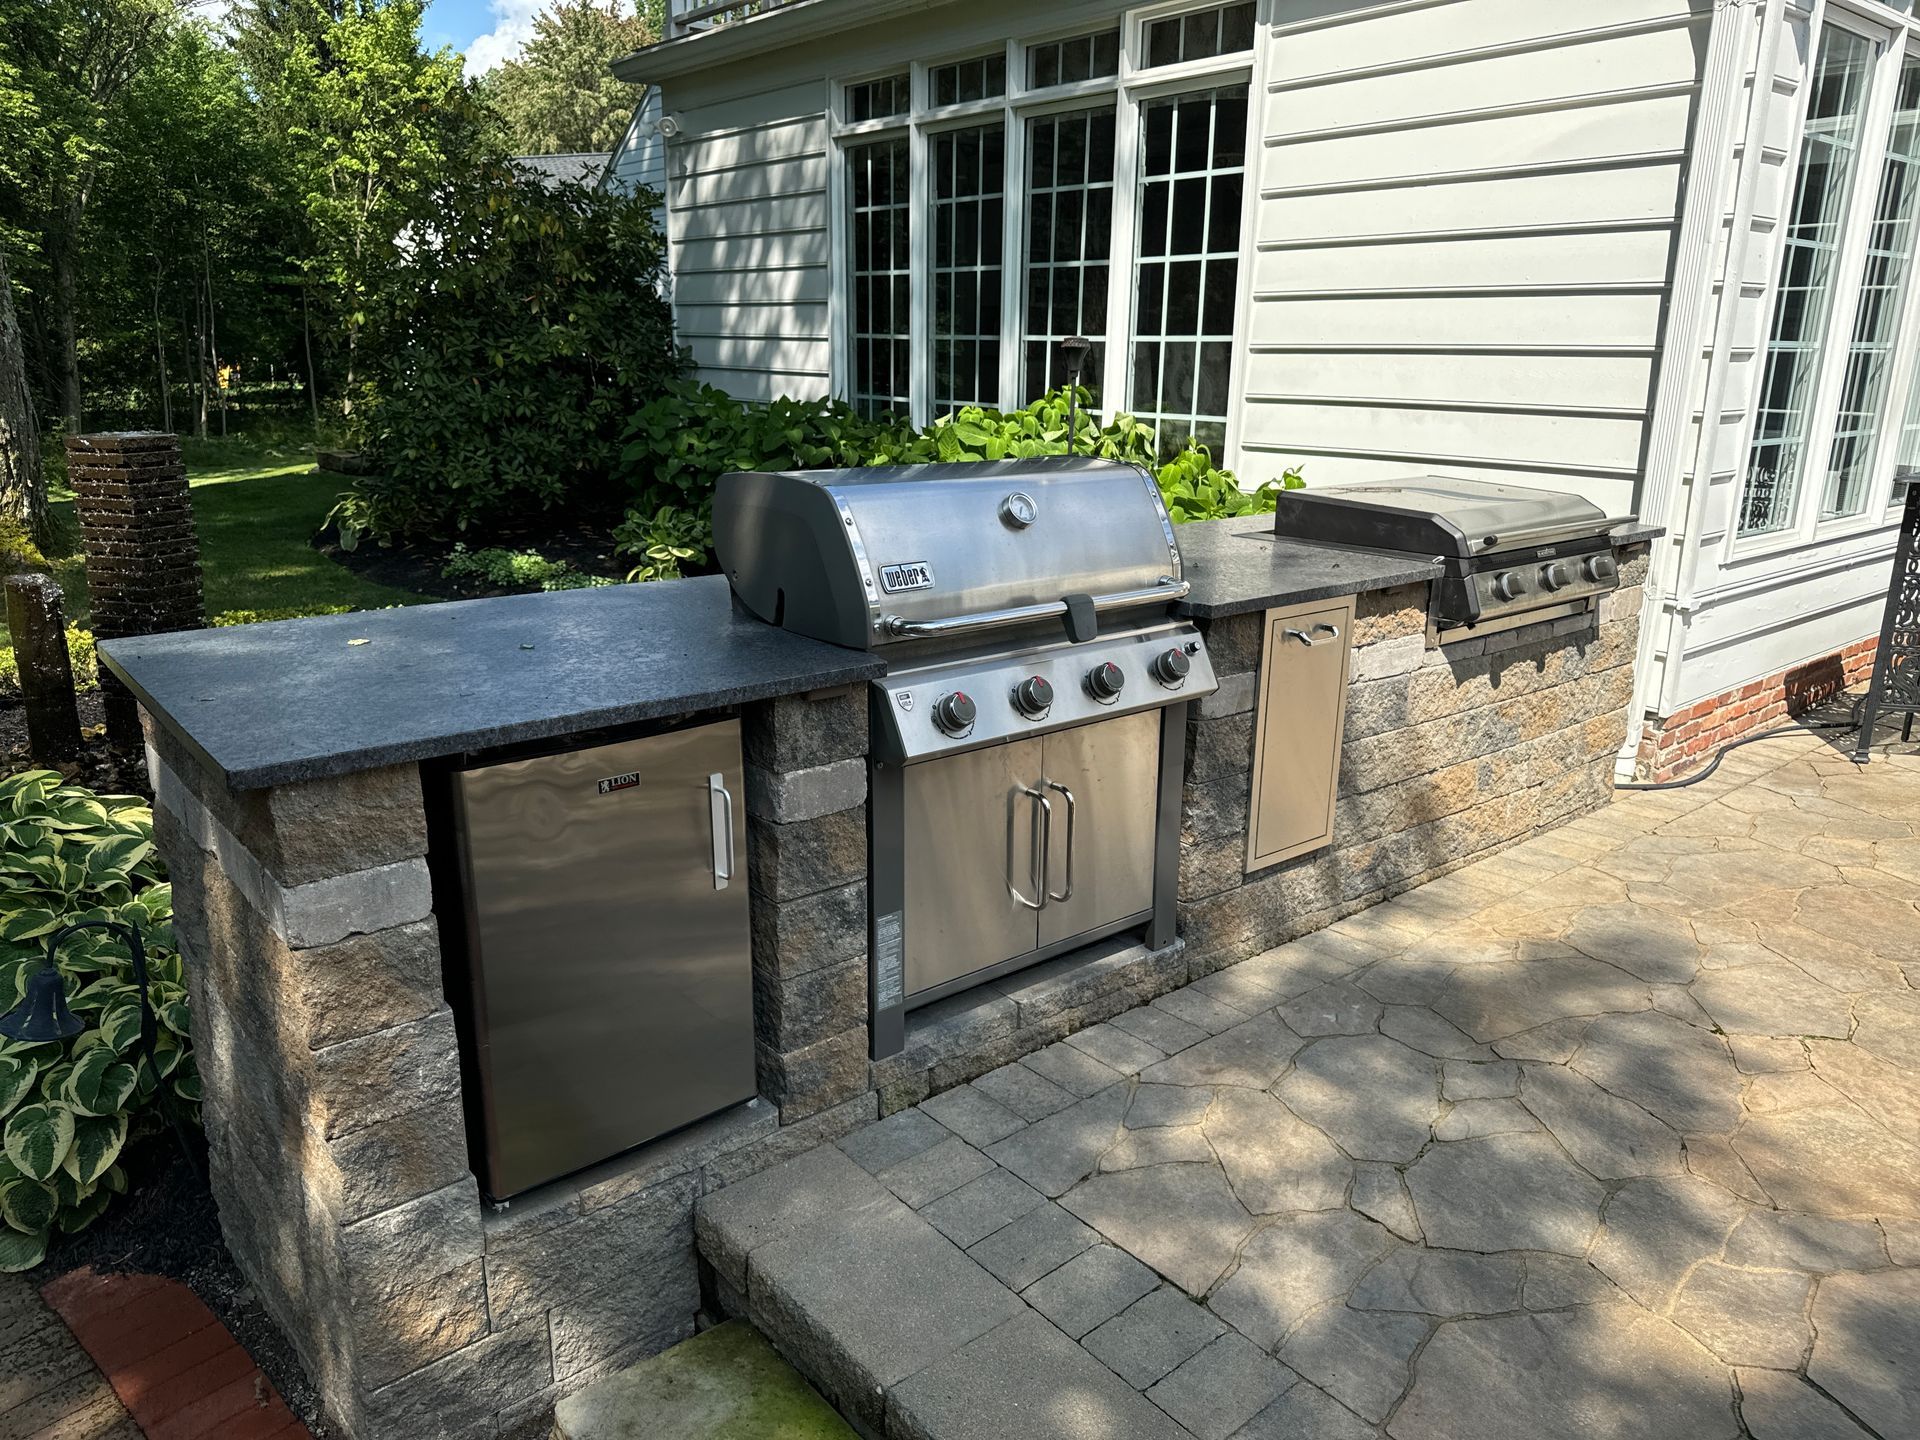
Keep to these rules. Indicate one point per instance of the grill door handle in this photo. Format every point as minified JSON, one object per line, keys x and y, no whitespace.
{"x":1041,"y":834}
{"x":1332,"y":631}
{"x":1066,"y":894}
{"x":898,"y":625}
{"x":720,"y":812}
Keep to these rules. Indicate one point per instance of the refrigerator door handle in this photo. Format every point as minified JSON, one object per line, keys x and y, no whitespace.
{"x":720,"y":808}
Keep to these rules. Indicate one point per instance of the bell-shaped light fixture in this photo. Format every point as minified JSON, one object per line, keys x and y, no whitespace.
{"x":42,"y":1014}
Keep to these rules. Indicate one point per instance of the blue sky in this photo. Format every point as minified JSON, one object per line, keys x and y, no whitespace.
{"x":485,"y":31}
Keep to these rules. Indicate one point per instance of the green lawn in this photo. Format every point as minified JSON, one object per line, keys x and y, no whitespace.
{"x":256,"y":507}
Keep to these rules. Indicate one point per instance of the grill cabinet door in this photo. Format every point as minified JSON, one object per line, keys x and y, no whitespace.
{"x":1303,"y":708}
{"x":1110,"y":769}
{"x":969,"y":827}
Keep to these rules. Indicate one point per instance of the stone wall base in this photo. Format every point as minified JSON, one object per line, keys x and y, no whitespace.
{"x":1671,"y":747}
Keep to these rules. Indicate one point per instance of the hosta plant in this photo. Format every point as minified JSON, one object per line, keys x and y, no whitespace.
{"x":68,"y":1108}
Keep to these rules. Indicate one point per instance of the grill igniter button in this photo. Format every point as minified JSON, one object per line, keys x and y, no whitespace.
{"x":1171,"y":667}
{"x":1555,"y":576}
{"x":1509,"y":585}
{"x":1106,"y":680}
{"x":954,"y":713}
{"x":1033,"y":697}
{"x":1600,"y":568}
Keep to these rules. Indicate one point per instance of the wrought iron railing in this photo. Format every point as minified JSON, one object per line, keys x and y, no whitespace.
{"x":687,"y":17}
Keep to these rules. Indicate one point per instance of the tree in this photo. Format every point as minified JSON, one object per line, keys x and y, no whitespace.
{"x":560,"y":95}
{"x":23,"y":489}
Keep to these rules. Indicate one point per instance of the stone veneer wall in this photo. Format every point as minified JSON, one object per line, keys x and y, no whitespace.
{"x":1682,"y":741}
{"x":1447,"y":754}
{"x":337,"y":1137}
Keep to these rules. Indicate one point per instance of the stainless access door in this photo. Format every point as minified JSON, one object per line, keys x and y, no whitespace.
{"x":1103,"y":784}
{"x":971,"y":837}
{"x":609,"y":947}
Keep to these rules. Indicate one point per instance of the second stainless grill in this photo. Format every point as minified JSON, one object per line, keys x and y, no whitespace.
{"x":1027,"y":740}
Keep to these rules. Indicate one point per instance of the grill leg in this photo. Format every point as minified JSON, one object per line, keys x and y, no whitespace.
{"x":886,"y":909}
{"x":1166,"y":836}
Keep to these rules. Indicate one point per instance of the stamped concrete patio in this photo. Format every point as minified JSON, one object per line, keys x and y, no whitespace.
{"x":1616,"y":1134}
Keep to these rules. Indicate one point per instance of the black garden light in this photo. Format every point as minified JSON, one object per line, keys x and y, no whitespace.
{"x":42,"y":1015}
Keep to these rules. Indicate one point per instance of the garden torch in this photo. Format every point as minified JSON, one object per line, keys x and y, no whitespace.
{"x":1077,"y":348}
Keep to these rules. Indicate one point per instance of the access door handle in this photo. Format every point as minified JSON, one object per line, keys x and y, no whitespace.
{"x":1066,"y":894}
{"x":1332,"y":633}
{"x":1041,"y":835}
{"x":720,"y":813}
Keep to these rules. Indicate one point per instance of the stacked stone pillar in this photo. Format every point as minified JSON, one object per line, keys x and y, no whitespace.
{"x":143,"y":555}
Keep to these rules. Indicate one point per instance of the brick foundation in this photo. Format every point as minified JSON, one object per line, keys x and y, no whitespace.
{"x":1671,"y":747}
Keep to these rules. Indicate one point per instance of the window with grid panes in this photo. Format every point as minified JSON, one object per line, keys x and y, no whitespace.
{"x":879,"y":274}
{"x":1070,"y":61}
{"x":1199,"y":35}
{"x":880,"y":99}
{"x":1192,"y":175}
{"x":969,"y":219}
{"x":1883,"y":293}
{"x":1830,"y":151}
{"x":1907,"y":457}
{"x":982,"y":78}
{"x":1069,"y":239}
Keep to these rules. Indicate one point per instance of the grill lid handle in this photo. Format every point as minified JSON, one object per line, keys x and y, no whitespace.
{"x":1083,"y":620}
{"x":1165,"y":593}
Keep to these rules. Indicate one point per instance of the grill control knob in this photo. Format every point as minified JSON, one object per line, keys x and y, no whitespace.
{"x":1600,"y":567}
{"x":1509,"y":585}
{"x":1171,"y":667}
{"x":954,"y":713}
{"x":1033,"y":697}
{"x":1555,"y":576}
{"x":1106,"y":680}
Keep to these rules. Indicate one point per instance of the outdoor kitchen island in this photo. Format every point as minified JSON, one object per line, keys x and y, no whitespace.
{"x":288,"y":763}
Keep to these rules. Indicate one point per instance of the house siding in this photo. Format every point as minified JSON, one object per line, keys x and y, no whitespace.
{"x":1463,"y":238}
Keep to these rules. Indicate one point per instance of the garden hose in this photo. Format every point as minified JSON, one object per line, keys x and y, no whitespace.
{"x":1732,"y":745}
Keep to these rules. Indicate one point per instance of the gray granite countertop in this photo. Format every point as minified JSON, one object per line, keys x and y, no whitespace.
{"x":1634,"y":532}
{"x":1237,"y":566}
{"x":300,"y":699}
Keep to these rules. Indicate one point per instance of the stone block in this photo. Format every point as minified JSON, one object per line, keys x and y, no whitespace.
{"x":1622,"y":604}
{"x":321,"y":912}
{"x":1385,"y":659}
{"x":792,"y":1014}
{"x":789,"y":796}
{"x":1033,"y":1246}
{"x":393,"y":1160}
{"x":1376,"y":706}
{"x":786,"y":862}
{"x":1234,"y":697}
{"x":694,"y":1148}
{"x":1234,"y":644}
{"x":398,"y":1332}
{"x":799,"y":732}
{"x":1217,"y":809}
{"x":361,"y":1082}
{"x":1635,"y":563}
{"x":394,"y":1250}
{"x":1384,"y":614}
{"x":894,"y":1141}
{"x":1208,"y":867}
{"x":1219,"y":748}
{"x":1152,"y":1336}
{"x":647,"y":1307}
{"x":364,"y":983}
{"x":810,"y":933}
{"x":460,"y":1395}
{"x":1222,"y":1387}
{"x":806,"y":1081}
{"x":1073,"y":982}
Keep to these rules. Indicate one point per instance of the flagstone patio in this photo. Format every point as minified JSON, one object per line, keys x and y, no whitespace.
{"x":1616,"y":1134}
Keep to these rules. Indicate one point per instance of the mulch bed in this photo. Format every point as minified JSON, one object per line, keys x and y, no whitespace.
{"x":582,"y":540}
{"x":99,"y":767}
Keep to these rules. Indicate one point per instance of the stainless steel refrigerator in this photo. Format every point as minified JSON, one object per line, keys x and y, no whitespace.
{"x":607,"y":993}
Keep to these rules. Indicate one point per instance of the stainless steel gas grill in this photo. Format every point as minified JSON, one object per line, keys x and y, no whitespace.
{"x":1027,"y":741}
{"x":1513,"y":556}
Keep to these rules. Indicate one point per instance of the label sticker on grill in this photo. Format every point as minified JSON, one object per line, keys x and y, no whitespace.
{"x":619,"y":782}
{"x":889,"y":967}
{"x":913,"y":575}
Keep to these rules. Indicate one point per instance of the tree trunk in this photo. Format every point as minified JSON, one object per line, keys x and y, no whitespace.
{"x":38,"y":623}
{"x":160,"y":356}
{"x":66,"y":329}
{"x":213,"y":335}
{"x":200,"y":362}
{"x":313,"y":378}
{"x":23,"y":485}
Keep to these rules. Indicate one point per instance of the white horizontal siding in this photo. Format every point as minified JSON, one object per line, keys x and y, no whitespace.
{"x":1463,"y":238}
{"x":747,"y":201}
{"x":642,"y":156}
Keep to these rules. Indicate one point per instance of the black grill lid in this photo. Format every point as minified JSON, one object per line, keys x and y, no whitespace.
{"x":1437,"y":515}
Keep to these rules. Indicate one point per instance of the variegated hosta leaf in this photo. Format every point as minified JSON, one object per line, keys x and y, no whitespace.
{"x":96,"y":1145}
{"x":38,"y":1137}
{"x":177,"y":1018}
{"x":67,"y":1190}
{"x":100,"y":1084}
{"x":120,"y":1025}
{"x":115,"y":857}
{"x":19,"y":1251}
{"x":16,"y":1083}
{"x":75,"y":1218}
{"x":186,"y":1084}
{"x":27,"y":1205}
{"x":13,"y":981}
{"x":28,"y":924}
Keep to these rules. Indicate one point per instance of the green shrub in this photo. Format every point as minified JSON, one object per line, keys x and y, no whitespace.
{"x":17,"y":550}
{"x":517,"y":569}
{"x":505,"y":358}
{"x":80,"y":654}
{"x":287,"y":612}
{"x":679,"y":446}
{"x":69,"y":1107}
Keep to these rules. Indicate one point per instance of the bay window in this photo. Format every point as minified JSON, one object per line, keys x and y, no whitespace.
{"x":996,"y":204}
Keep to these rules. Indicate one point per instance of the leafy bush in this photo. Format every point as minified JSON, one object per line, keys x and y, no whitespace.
{"x":680,"y":444}
{"x":520,"y":569}
{"x":517,"y":339}
{"x":286,"y":612}
{"x":69,"y":1107}
{"x":80,"y":654}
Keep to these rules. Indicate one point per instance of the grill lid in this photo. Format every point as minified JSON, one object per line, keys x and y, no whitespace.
{"x":865,"y":557}
{"x":1438,"y":515}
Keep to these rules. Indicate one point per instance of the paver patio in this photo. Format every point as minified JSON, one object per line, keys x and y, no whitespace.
{"x":1615,"y":1134}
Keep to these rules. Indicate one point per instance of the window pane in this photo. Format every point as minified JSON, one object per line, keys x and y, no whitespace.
{"x":877,"y":234}
{"x":877,"y":99}
{"x":969,"y":210}
{"x":1069,"y":238}
{"x":1200,"y":34}
{"x":1908,"y":462}
{"x":984,"y":78}
{"x":1067,"y":62}
{"x":1883,"y":294}
{"x":1829,"y":156}
{"x":1183,"y":308}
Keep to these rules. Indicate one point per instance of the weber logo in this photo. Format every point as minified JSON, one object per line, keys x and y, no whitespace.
{"x":914,"y":575}
{"x":620,"y":782}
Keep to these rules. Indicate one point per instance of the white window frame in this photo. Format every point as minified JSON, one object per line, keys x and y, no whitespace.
{"x":1124,"y":91}
{"x":1896,"y":35}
